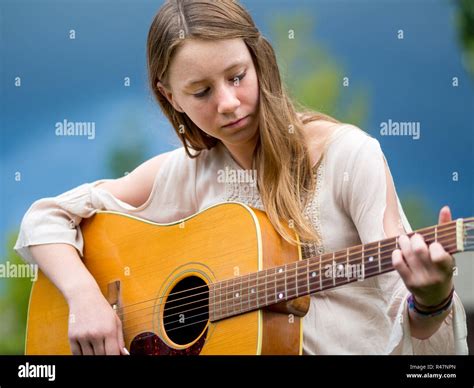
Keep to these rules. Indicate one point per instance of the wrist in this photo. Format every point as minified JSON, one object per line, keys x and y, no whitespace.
{"x":79,"y":287}
{"x":432,"y":310}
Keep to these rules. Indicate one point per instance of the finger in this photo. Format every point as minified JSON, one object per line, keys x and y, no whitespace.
{"x":98,"y":347}
{"x":400,"y":265}
{"x":444,"y":215}
{"x":440,"y":258}
{"x":111,"y":346}
{"x":120,"y":339}
{"x":75,"y":348}
{"x":420,"y":250}
{"x":86,"y":348}
{"x":405,"y":246}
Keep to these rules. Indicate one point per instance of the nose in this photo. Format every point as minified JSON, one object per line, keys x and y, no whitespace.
{"x":227,"y":101}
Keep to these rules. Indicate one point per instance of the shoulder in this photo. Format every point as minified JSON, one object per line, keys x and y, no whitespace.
{"x":341,"y":138}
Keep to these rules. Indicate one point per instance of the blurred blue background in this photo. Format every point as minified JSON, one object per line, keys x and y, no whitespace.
{"x":85,"y":80}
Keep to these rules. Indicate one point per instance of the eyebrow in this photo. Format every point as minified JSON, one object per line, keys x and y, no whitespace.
{"x":193,"y":82}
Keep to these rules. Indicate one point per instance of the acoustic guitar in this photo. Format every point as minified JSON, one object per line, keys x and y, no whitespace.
{"x":219,"y":282}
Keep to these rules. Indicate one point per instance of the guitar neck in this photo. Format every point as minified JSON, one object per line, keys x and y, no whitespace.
{"x":305,"y":277}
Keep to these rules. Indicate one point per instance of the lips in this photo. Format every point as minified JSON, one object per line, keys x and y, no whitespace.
{"x":234,"y":122}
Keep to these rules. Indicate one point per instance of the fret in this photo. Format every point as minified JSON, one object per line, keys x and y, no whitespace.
{"x":244,"y":293}
{"x":226,"y":300}
{"x":348,"y":265}
{"x":212,"y":301}
{"x":326,"y":278}
{"x":292,"y":283}
{"x":280,"y":284}
{"x":237,"y":295}
{"x":313,"y":276}
{"x":333,"y":272}
{"x":232,"y":296}
{"x":362,"y":260}
{"x":302,"y":275}
{"x":436,"y":233}
{"x":221,"y":311}
{"x":355,"y":267}
{"x":261,"y":289}
{"x":389,"y":245}
{"x":339,"y":268}
{"x":271,"y":286}
{"x":320,"y":274}
{"x":380,"y":264}
{"x":369,"y":258}
{"x":307,"y":275}
{"x":252,"y":295}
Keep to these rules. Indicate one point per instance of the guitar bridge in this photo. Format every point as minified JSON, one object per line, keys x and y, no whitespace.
{"x":113,"y":294}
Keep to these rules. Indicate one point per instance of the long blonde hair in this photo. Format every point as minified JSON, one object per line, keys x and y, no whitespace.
{"x":284,"y":171}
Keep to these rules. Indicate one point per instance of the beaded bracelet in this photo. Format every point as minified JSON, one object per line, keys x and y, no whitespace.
{"x":431,"y":311}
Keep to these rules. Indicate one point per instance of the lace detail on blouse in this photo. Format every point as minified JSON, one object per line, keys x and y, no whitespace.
{"x":311,"y":212}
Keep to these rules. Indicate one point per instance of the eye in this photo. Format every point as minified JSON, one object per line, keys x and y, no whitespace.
{"x":201,"y":94}
{"x":239,"y":77}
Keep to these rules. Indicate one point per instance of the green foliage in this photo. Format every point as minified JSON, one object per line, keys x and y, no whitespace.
{"x":13,"y":305}
{"x":311,"y":75}
{"x":130,"y":148}
{"x":465,"y":25}
{"x":417,"y":210}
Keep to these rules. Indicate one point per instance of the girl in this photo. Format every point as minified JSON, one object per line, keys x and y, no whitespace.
{"x":216,"y":79}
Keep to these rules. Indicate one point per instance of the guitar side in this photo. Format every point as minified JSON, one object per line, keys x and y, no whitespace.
{"x":139,"y":264}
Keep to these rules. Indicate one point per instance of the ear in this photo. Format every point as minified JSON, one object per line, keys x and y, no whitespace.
{"x":169,"y":96}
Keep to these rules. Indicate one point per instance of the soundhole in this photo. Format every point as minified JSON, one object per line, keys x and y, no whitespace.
{"x":186,"y":311}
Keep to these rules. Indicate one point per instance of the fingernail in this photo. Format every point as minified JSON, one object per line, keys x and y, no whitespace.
{"x":126,"y":351}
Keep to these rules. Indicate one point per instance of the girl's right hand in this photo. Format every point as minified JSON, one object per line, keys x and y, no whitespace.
{"x":94,"y":327}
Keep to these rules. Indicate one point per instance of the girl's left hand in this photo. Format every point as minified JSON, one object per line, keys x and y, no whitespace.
{"x":426,"y":271}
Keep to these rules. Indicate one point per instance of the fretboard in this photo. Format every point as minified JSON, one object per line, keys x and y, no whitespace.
{"x":278,"y":284}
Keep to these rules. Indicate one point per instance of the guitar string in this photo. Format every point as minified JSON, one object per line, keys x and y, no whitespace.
{"x":131,"y":333}
{"x":441,"y":227}
{"x":274,"y":280}
{"x":292,"y":278}
{"x":227,"y":287}
{"x":306,"y":267}
{"x":227,"y":308}
{"x":340,"y":255}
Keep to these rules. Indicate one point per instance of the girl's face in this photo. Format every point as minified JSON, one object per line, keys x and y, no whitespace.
{"x":215,"y":84}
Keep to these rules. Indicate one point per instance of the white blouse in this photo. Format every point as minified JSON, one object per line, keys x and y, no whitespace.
{"x":347,"y":209}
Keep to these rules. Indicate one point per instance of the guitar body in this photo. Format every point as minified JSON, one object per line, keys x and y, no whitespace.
{"x":144,"y":269}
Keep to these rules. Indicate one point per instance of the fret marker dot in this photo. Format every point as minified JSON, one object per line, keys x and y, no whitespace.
{"x":280,"y":270}
{"x":280,"y":295}
{"x":371,"y":258}
{"x":252,"y":290}
{"x":313,"y":274}
{"x":236,"y":294}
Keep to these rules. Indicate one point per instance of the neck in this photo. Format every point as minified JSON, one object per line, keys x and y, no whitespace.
{"x":243,"y":153}
{"x":279,"y":284}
